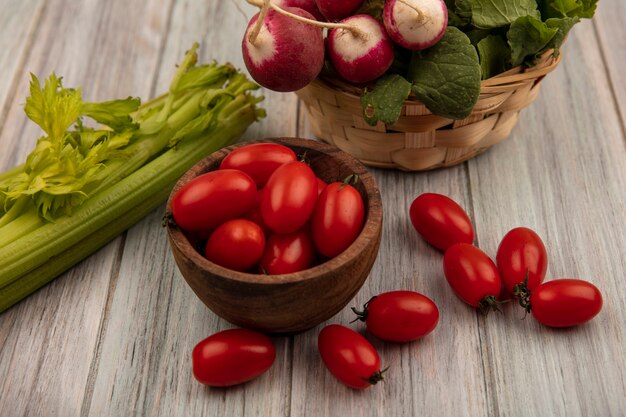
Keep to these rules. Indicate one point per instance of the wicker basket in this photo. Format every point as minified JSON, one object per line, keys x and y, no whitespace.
{"x":420,"y":140}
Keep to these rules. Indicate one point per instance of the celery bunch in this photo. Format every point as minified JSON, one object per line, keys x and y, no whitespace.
{"x":81,"y":186}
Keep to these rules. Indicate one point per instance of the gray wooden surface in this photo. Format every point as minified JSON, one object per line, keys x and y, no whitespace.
{"x":113,"y":336}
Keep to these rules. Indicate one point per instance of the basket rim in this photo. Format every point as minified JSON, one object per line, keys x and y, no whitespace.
{"x":520,"y":74}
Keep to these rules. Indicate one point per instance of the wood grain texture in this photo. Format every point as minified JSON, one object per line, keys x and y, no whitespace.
{"x":19,"y":22}
{"x":71,"y":39}
{"x":155,"y":353}
{"x":113,"y":336}
{"x":563,"y":174}
{"x":609,"y":28}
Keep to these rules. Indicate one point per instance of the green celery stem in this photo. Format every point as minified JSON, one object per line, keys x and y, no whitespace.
{"x":27,"y":222}
{"x":46,"y":272}
{"x":38,"y":247}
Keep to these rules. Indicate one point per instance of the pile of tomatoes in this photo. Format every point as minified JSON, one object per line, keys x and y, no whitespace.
{"x":265,"y":211}
{"x":238,"y":355}
{"x":519,"y":271}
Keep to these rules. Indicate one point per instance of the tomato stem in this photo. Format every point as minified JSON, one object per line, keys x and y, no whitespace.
{"x":490,"y":303}
{"x":376,"y":377}
{"x":305,"y":158}
{"x":522,"y":294}
{"x":351,"y":179}
{"x":362,"y":315}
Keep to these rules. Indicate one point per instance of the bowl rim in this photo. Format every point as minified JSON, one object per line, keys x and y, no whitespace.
{"x":371,"y":227}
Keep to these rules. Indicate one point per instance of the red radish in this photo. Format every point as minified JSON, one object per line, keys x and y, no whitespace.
{"x":415,"y":24}
{"x":308,"y":5}
{"x":335,"y":10}
{"x":361,"y":54}
{"x":285,"y":54}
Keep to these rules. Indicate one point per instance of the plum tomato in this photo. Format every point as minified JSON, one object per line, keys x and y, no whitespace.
{"x":254,"y":215}
{"x":289,"y":197}
{"x":210,"y":199}
{"x":565,"y":302}
{"x":232,"y":357}
{"x":337,"y":219}
{"x":440,"y":221}
{"x":258,"y":160}
{"x":349,"y":356}
{"x":321,"y":184}
{"x":473,"y":276}
{"x":287,"y":253}
{"x":237,"y":244}
{"x":522,"y":262}
{"x":399,"y":316}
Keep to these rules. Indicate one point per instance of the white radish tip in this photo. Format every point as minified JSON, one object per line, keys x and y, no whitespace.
{"x":415,"y":24}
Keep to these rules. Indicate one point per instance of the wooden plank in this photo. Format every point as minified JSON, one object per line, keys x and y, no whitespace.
{"x":422,"y":374}
{"x":144,"y":365}
{"x":48,"y":341}
{"x":18,"y":25}
{"x":561,"y":174}
{"x":611,"y":33}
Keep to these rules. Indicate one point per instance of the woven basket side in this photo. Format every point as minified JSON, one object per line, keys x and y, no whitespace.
{"x":420,"y":140}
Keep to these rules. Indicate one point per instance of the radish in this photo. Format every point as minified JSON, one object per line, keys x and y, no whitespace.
{"x":308,"y":5}
{"x":363,"y":53}
{"x":281,"y":53}
{"x":338,"y":9}
{"x":415,"y":24}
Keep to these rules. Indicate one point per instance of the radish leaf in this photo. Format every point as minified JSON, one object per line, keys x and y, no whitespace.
{"x":489,"y":14}
{"x":384,"y":102}
{"x":494,"y":55}
{"x":446,"y":77}
{"x":528,"y":36}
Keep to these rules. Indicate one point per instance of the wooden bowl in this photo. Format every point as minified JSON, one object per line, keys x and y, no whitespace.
{"x":290,"y":302}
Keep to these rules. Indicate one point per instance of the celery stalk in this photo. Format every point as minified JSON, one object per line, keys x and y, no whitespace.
{"x":80,"y":187}
{"x":36,"y":248}
{"x":58,"y":264}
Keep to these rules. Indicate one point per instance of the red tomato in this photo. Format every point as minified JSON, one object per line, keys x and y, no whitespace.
{"x":259,"y":160}
{"x":399,"y":316}
{"x":521,"y":252}
{"x":213,"y":198}
{"x":320,"y":186}
{"x":231,"y":357}
{"x":289,"y":197}
{"x":237,"y":244}
{"x":565,"y":302}
{"x":254,"y":215}
{"x":440,"y":221}
{"x":288,"y":253}
{"x":349,"y":356}
{"x":337,"y":219}
{"x":472,"y":275}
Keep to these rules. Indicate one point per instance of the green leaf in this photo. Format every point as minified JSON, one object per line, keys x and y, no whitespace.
{"x":494,"y":55}
{"x":446,"y":77}
{"x":114,"y":113}
{"x":562,"y":26}
{"x":373,"y":8}
{"x":527,"y":37}
{"x":489,"y":14}
{"x":464,"y":8}
{"x":384,"y":102}
{"x":456,"y":20}
{"x":588,"y":9}
{"x":53,"y":107}
{"x":476,"y":35}
{"x":568,"y":8}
